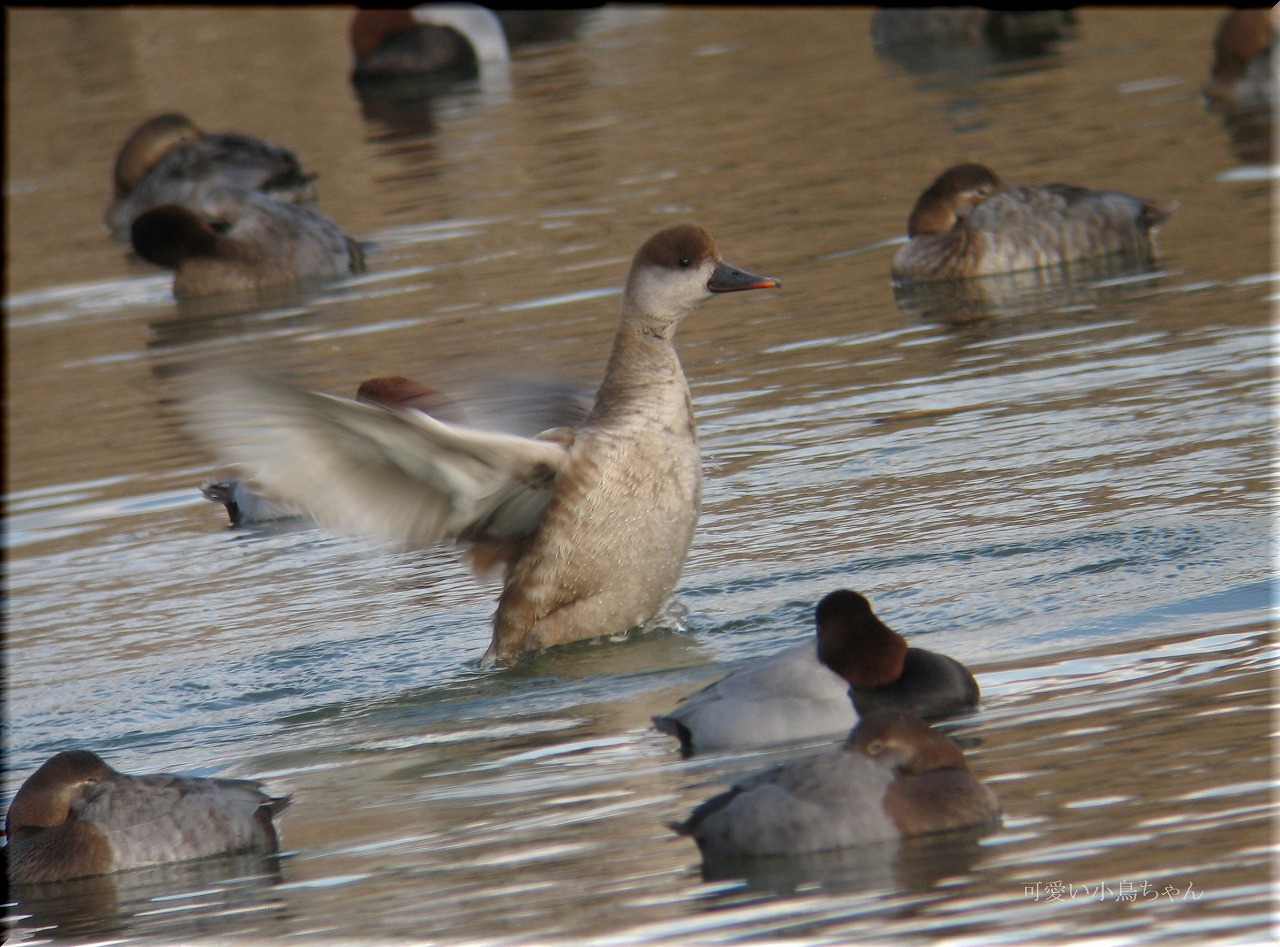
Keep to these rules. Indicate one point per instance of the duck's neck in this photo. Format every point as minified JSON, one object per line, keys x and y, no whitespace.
{"x":930,"y":215}
{"x":643,"y":371}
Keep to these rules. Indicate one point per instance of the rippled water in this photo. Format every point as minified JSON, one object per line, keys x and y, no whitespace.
{"x":1064,"y":485}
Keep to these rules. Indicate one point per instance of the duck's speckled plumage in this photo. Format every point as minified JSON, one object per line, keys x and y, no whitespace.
{"x":966,"y":223}
{"x":894,"y":778}
{"x":594,"y":522}
{"x":859,"y":664}
{"x":168,"y":160}
{"x":75,"y":816}
{"x":237,"y":239}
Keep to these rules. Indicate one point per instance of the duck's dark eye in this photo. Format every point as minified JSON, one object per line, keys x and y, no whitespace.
{"x":685,"y":262}
{"x":875,"y":747}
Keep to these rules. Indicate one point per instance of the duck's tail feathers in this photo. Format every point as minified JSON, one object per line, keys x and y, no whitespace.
{"x":678,"y":730}
{"x":1153,"y":215}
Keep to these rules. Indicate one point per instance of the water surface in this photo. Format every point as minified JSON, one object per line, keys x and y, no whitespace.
{"x":1064,"y":484}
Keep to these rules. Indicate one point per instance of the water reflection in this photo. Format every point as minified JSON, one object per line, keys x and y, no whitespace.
{"x":267,"y":315}
{"x":915,"y":865}
{"x":1251,"y":131}
{"x":966,"y":42}
{"x":532,"y":28}
{"x":1078,"y":513}
{"x":1032,"y":298}
{"x":403,"y":110}
{"x":230,"y":896}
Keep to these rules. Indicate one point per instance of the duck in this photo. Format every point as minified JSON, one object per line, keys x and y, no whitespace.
{"x":967,"y":223}
{"x":238,"y":239}
{"x":894,"y":778}
{"x":1241,"y":75}
{"x":75,"y":816}
{"x":809,"y":690}
{"x":591,"y":524}
{"x":169,"y":160}
{"x":403,"y":394}
{"x":429,"y":38}
{"x":245,"y":505}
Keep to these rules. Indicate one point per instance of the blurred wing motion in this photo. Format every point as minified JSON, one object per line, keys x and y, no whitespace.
{"x":399,"y":475}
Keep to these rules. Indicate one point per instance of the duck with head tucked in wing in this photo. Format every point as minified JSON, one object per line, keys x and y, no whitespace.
{"x":894,"y":778}
{"x":75,"y":816}
{"x":237,"y":239}
{"x":967,"y":223}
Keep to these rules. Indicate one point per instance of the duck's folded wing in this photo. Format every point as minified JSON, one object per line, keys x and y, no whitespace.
{"x":1054,"y":206}
{"x":793,"y":673}
{"x":125,"y":802}
{"x":151,"y":819}
{"x":396,"y":475}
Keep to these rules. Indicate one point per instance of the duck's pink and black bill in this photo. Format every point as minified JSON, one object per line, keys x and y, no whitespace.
{"x":730,"y":279}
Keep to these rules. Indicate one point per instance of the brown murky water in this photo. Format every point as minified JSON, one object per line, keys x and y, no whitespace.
{"x":1064,"y":485}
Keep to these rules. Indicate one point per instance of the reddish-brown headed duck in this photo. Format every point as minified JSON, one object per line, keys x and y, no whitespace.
{"x":593,"y":522}
{"x":168,"y":160}
{"x":894,"y":778}
{"x":403,"y":394}
{"x":430,"y":38}
{"x":239,"y":239}
{"x":1241,"y":74}
{"x":860,"y":664}
{"x":76,"y":816}
{"x":967,"y":223}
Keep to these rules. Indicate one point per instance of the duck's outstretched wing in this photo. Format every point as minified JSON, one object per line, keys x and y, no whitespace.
{"x":359,"y":468}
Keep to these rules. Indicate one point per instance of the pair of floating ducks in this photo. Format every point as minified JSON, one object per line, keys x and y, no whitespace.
{"x":225,"y":211}
{"x":894,"y":777}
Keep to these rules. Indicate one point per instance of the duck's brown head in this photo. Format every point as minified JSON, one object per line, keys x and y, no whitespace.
{"x":147,"y":144}
{"x":950,"y":197}
{"x":856,"y":644}
{"x":45,"y":799}
{"x":904,"y":743}
{"x":674,"y":271}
